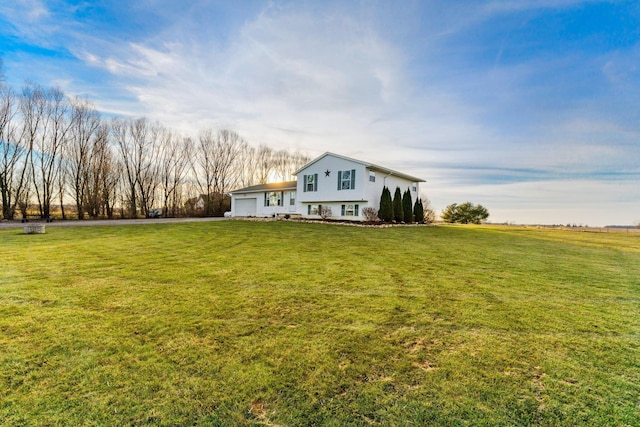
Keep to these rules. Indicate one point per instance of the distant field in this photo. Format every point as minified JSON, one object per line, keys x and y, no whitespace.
{"x":293,"y":324}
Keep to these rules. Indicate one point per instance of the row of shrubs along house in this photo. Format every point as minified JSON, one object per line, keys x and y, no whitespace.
{"x":343,"y":185}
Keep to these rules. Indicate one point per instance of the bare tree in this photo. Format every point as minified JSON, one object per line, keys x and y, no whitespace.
{"x":47,"y":136}
{"x":203,"y":167}
{"x":214,"y":166}
{"x":229,"y":146}
{"x":276,"y":165}
{"x":263,"y":164}
{"x":23,"y":198}
{"x":185,"y":183}
{"x":110,"y":189}
{"x":85,"y":122}
{"x":280,"y":165}
{"x":120,"y":129}
{"x":149,"y":139}
{"x":110,"y":175}
{"x":298,"y":160}
{"x":175,"y":158}
{"x":101,"y":175}
{"x":245,"y":166}
{"x":139,"y":148}
{"x":62,"y":178}
{"x":12,"y":154}
{"x":429,"y":213}
{"x":33,"y":106}
{"x":285,"y":164}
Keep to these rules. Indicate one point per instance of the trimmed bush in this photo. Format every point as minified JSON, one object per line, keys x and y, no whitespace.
{"x":418,"y":211}
{"x":386,"y":206}
{"x":398,"y":211}
{"x":407,"y":206}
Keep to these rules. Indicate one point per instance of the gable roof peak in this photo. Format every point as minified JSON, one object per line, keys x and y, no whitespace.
{"x":365,"y":164}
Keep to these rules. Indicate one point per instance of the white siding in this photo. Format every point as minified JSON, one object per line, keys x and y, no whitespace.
{"x":240,"y":201}
{"x":327,"y":189}
{"x":366,"y":193}
{"x":374,"y":189}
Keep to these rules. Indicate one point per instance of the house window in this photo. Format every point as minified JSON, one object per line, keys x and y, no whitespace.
{"x":347,"y":179}
{"x":292,"y":198}
{"x":273,"y":198}
{"x":372,"y":176}
{"x":313,"y":209}
{"x":311,"y":182}
{"x":350,"y":210}
{"x":414,"y":187}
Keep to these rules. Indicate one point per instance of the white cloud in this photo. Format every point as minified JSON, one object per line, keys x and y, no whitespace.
{"x":30,"y":20}
{"x":287,"y":76}
{"x":25,"y":10}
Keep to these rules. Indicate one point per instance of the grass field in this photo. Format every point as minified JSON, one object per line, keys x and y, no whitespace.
{"x":292,"y":324}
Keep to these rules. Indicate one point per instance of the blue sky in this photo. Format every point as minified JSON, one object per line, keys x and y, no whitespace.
{"x":530,"y":108}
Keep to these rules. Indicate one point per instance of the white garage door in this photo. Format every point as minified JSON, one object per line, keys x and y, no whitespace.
{"x":245,"y":207}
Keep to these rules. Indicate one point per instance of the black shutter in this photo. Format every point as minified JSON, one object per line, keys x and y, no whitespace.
{"x":353,"y":179}
{"x":339,"y":180}
{"x":315,"y":182}
{"x":304,"y":183}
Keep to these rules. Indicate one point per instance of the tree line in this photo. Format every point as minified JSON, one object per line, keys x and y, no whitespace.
{"x":59,"y":151}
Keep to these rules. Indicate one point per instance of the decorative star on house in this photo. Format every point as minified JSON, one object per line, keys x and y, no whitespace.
{"x":327,"y":172}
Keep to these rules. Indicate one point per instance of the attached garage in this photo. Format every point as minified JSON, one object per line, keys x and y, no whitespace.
{"x":264,"y":200}
{"x":245,"y":207}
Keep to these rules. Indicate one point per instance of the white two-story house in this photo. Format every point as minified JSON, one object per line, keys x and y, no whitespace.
{"x":344,"y":185}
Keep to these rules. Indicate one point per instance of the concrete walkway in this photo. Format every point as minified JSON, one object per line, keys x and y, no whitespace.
{"x":106,"y":222}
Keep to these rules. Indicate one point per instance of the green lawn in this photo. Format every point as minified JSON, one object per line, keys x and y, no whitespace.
{"x":290,"y":324}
